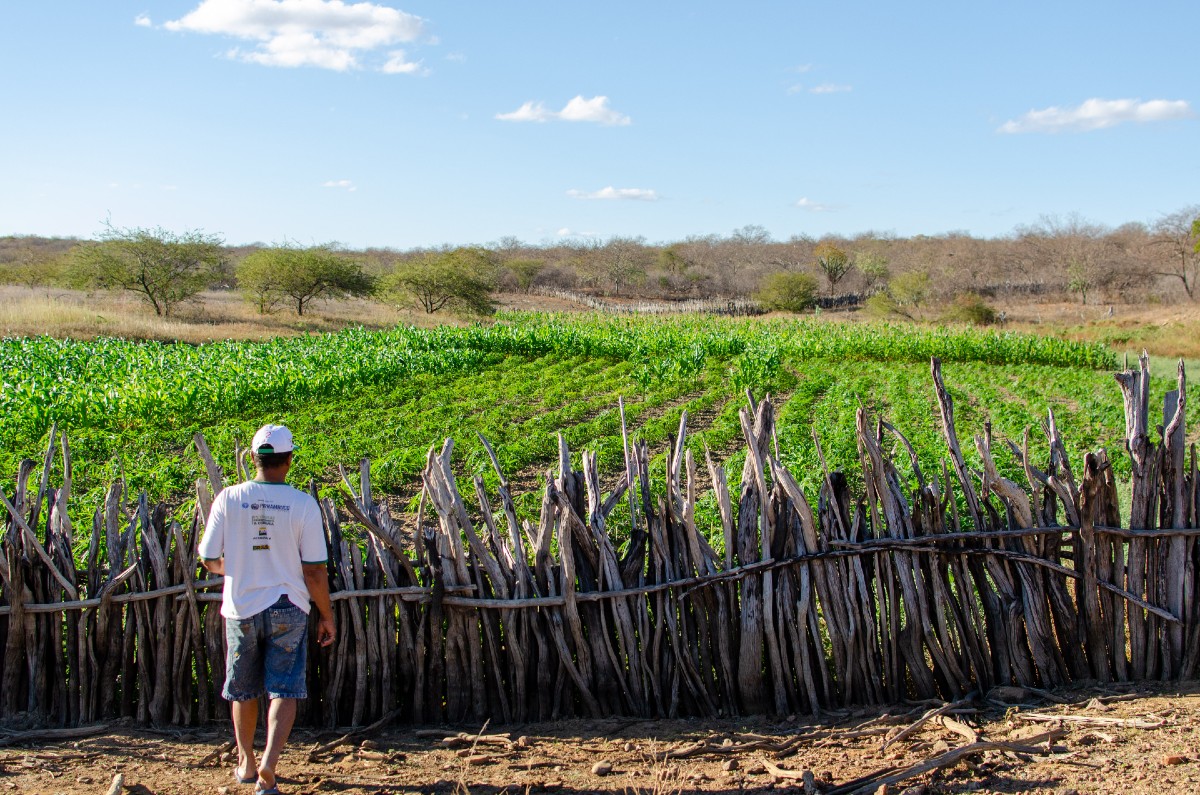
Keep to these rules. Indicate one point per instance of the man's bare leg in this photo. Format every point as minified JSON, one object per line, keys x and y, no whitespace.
{"x":245,"y":722}
{"x":280,"y":717}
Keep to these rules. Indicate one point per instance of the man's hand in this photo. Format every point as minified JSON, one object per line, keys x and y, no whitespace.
{"x":326,"y":630}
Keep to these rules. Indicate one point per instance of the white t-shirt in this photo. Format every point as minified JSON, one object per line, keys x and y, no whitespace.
{"x":265,"y":532}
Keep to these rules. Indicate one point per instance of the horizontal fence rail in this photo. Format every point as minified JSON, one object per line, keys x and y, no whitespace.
{"x":919,"y":587}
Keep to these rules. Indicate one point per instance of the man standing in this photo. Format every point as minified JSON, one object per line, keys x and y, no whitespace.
{"x":266,"y":538}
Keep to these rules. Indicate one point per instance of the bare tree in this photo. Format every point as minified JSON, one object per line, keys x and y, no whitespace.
{"x":1177,"y":237}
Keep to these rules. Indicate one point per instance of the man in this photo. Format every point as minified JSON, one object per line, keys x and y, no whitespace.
{"x":266,"y":538}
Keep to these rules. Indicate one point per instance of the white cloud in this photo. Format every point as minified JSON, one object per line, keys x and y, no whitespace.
{"x":802,"y":68}
{"x":806,"y":203}
{"x":594,"y":110}
{"x":830,"y":88}
{"x":329,"y":34}
{"x":456,"y":57}
{"x":1098,"y":114}
{"x":143,"y":21}
{"x":568,"y":232}
{"x":343,"y":184}
{"x":397,"y":64}
{"x":626,"y":194}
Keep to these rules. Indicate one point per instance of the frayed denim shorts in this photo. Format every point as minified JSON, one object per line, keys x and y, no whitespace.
{"x":266,"y":653}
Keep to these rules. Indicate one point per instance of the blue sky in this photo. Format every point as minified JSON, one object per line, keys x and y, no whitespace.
{"x":402,"y":124}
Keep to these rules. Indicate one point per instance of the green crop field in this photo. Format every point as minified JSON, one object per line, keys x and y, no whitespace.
{"x":131,"y":408}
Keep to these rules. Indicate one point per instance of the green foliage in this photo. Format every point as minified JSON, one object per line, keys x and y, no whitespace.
{"x":163,"y":267}
{"x":911,"y":289}
{"x":833,"y":262}
{"x":133,"y":407}
{"x":883,"y":306}
{"x":525,"y":271}
{"x":35,"y":270}
{"x":271,"y":275}
{"x":874,"y":269}
{"x":787,"y":292}
{"x":970,"y":308}
{"x":461,"y":280}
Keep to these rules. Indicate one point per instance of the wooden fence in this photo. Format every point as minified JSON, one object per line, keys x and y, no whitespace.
{"x":929,"y":584}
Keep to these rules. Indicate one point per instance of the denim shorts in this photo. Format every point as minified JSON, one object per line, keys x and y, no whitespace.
{"x":266,"y":653}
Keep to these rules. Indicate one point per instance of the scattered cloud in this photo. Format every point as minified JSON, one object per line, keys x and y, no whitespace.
{"x":343,"y":184}
{"x":143,"y":21}
{"x":595,"y":110}
{"x":620,"y":194}
{"x":567,"y":232}
{"x":397,"y":64}
{"x":823,"y":88}
{"x":328,"y":34}
{"x":806,"y":203}
{"x":802,"y":68}
{"x":456,"y":57}
{"x":1098,"y":114}
{"x":830,"y":88}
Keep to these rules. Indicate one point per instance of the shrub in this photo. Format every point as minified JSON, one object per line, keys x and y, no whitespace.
{"x":972,"y":309}
{"x":787,"y":292}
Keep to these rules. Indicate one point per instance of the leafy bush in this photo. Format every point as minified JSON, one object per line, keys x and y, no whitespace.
{"x":970,"y":308}
{"x":788,"y":292}
{"x":883,"y":306}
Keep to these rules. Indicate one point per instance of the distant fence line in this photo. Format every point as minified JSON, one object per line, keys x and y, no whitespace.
{"x":733,"y":307}
{"x":922,"y":587}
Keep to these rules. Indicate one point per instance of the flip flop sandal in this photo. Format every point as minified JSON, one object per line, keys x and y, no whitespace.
{"x":259,"y":789}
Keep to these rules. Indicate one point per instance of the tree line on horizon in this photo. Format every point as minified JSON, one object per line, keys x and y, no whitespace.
{"x":1052,"y":259}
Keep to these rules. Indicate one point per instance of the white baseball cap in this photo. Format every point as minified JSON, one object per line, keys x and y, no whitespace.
{"x":272,"y":439}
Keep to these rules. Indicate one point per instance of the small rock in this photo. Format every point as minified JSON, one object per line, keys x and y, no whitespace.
{"x":883,"y":789}
{"x":602,"y":768}
{"x":84,"y":780}
{"x":223,"y":790}
{"x":727,"y":743}
{"x":1071,"y":792}
{"x":629,"y":747}
{"x":1174,"y":759}
{"x":920,"y":789}
{"x":729,"y":764}
{"x":940,"y":747}
{"x":478,"y":759}
{"x":369,"y":745}
{"x":756,"y":769}
{"x":523,"y":741}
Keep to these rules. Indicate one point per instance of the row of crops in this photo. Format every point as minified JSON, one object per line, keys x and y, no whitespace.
{"x":131,"y":408}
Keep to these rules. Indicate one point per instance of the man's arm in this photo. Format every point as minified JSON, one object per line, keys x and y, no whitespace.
{"x":317,"y":580}
{"x":216,"y":566}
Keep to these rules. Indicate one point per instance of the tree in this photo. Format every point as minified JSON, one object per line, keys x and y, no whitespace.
{"x":163,"y":267}
{"x":874,"y":269}
{"x":1178,"y":236}
{"x":833,"y":262}
{"x":910,"y":289}
{"x":525,"y":271}
{"x":269,"y":275}
{"x":787,"y":292}
{"x":461,"y":279}
{"x":1079,"y":280}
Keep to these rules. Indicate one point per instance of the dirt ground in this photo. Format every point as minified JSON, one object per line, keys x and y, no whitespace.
{"x":1131,"y":739}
